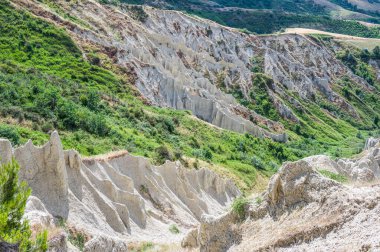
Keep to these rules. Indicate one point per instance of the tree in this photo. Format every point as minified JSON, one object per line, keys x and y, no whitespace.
{"x":376,"y":120}
{"x":376,"y":52}
{"x":207,"y":154}
{"x":163,"y":153}
{"x":13,"y":197}
{"x":365,"y":55}
{"x":346,"y":92}
{"x":11,"y":134}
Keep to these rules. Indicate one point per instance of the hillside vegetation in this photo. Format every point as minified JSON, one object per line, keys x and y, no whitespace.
{"x":47,"y":84}
{"x":265,"y":17}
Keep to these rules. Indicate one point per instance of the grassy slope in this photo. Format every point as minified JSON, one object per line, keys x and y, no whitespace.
{"x":46,"y":84}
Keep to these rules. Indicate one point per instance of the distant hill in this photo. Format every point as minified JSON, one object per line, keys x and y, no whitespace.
{"x":265,"y":16}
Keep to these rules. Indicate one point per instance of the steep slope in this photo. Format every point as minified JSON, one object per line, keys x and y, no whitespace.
{"x":188,"y":63}
{"x":100,"y":87}
{"x":168,"y":66}
{"x":118,"y":197}
{"x":47,"y":83}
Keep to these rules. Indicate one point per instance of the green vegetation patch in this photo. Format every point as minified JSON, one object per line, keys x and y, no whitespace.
{"x":174,"y":229}
{"x":239,"y":207}
{"x":13,"y":196}
{"x":334,"y":176}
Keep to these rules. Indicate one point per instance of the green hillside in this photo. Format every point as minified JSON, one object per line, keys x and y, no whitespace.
{"x":265,"y":17}
{"x":46,"y":84}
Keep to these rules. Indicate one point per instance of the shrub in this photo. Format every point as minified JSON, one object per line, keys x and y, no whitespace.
{"x":163,"y":153}
{"x":196,"y":164}
{"x":138,"y":13}
{"x":47,"y":127}
{"x":178,"y":154}
{"x":77,"y":239}
{"x":13,"y":197}
{"x":207,"y":154}
{"x":258,"y":163}
{"x":376,"y":52}
{"x":174,"y":229}
{"x":10,"y":134}
{"x":169,"y":125}
{"x":239,"y":207}
{"x":91,"y":100}
{"x":334,"y":176}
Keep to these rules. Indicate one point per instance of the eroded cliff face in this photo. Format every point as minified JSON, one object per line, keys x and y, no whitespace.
{"x":302,"y":211}
{"x":189,"y":63}
{"x":365,"y":167}
{"x":115,"y":199}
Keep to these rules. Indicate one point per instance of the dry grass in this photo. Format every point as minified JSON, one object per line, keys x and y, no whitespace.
{"x":53,"y":232}
{"x":359,"y":42}
{"x":106,"y":157}
{"x":149,"y":246}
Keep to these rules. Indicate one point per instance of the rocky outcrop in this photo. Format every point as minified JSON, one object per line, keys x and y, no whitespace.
{"x":5,"y":151}
{"x":371,"y":142}
{"x":363,"y":168}
{"x":118,"y":198}
{"x":215,"y":233}
{"x":295,"y":185}
{"x":40,"y":163}
{"x":218,"y":233}
{"x":4,"y":246}
{"x":303,"y":211}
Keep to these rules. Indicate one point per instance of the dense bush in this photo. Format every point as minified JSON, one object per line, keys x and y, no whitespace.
{"x":163,"y":154}
{"x":239,"y":207}
{"x":10,"y":134}
{"x":376,"y":53}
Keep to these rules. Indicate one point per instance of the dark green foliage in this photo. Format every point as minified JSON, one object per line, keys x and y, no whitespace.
{"x":271,"y":16}
{"x":365,"y":55}
{"x":13,"y":197}
{"x":258,"y":163}
{"x":258,"y":65}
{"x":10,"y":134}
{"x":262,"y":102}
{"x":376,"y":52}
{"x":207,"y":154}
{"x":357,"y":62}
{"x":163,"y":154}
{"x":137,"y":12}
